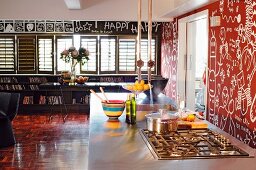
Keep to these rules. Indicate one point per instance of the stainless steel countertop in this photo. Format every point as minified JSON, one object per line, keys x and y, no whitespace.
{"x":118,"y":146}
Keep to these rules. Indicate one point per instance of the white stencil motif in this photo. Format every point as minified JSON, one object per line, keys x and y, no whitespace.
{"x":232,"y":68}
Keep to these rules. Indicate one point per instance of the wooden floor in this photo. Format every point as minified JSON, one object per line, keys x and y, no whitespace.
{"x":48,"y":145}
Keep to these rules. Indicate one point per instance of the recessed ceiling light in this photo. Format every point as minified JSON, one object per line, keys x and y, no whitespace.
{"x":73,"y":4}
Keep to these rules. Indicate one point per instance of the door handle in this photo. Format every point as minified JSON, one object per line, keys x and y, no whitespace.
{"x":190,"y":62}
{"x":185,"y":62}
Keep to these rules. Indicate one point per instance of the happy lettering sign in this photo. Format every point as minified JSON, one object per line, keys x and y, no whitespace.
{"x":113,"y":27}
{"x":80,"y":27}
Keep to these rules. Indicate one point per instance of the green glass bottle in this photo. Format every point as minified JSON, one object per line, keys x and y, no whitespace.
{"x":133,"y":110}
{"x":128,"y":109}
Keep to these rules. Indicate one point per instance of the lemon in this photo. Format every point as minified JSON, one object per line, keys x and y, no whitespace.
{"x":136,"y":82}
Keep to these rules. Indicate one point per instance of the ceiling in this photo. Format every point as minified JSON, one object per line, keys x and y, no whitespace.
{"x":162,"y":9}
{"x":112,"y":10}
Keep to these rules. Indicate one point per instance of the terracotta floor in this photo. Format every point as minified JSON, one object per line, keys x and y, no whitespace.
{"x":48,"y":145}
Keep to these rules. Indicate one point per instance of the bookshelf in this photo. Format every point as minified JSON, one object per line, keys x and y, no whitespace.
{"x":43,"y":93}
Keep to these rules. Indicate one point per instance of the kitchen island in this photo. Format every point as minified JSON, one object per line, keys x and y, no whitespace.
{"x":115,"y":145}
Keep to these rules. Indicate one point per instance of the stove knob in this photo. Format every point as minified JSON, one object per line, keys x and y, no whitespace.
{"x":222,"y":138}
{"x":227,"y":142}
{"x":219,"y":137}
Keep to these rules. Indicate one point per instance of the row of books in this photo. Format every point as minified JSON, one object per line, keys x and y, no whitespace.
{"x":82,"y":100}
{"x":37,"y":79}
{"x":13,"y":87}
{"x":33,"y":87}
{"x":30,"y":80}
{"x":43,"y":100}
{"x":28,"y":100}
{"x":52,"y":100}
{"x":8,"y":80}
{"x":111,"y":79}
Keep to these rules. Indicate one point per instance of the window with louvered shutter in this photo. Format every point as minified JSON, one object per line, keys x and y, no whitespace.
{"x":26,"y":54}
{"x":90,"y":43}
{"x":62,"y":44}
{"x":7,"y":57}
{"x":127,"y":55}
{"x":144,"y":53}
{"x":45,"y":54}
{"x":107,"y":54}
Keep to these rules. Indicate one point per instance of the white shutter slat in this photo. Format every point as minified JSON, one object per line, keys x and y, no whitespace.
{"x":90,"y":43}
{"x":108,"y":54}
{"x":62,"y":44}
{"x":45,"y":52}
{"x":144,"y":53}
{"x":127,"y":55}
{"x":7,"y":62}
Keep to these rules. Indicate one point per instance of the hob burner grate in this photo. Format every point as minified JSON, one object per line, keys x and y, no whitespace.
{"x":189,"y":144}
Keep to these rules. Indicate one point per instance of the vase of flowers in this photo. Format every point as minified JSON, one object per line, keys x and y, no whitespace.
{"x":74,"y":57}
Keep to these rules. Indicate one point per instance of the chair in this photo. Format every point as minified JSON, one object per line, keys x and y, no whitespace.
{"x":9,"y":104}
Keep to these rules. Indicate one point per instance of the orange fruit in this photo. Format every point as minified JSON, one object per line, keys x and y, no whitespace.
{"x":184,"y":118}
{"x":134,"y":87}
{"x":146,"y":87}
{"x":140,"y":87}
{"x":142,"y":82}
{"x":191,"y":118}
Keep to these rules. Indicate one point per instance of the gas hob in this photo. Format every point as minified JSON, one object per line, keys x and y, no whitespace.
{"x":191,"y":144}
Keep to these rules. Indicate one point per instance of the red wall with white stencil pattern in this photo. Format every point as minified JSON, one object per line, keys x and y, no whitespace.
{"x":169,"y":54}
{"x":231,"y":102}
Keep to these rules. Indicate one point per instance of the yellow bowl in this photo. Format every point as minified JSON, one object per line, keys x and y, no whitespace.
{"x":114,"y":108}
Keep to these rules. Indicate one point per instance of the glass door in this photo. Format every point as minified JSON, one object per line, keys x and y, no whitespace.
{"x":195,"y":63}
